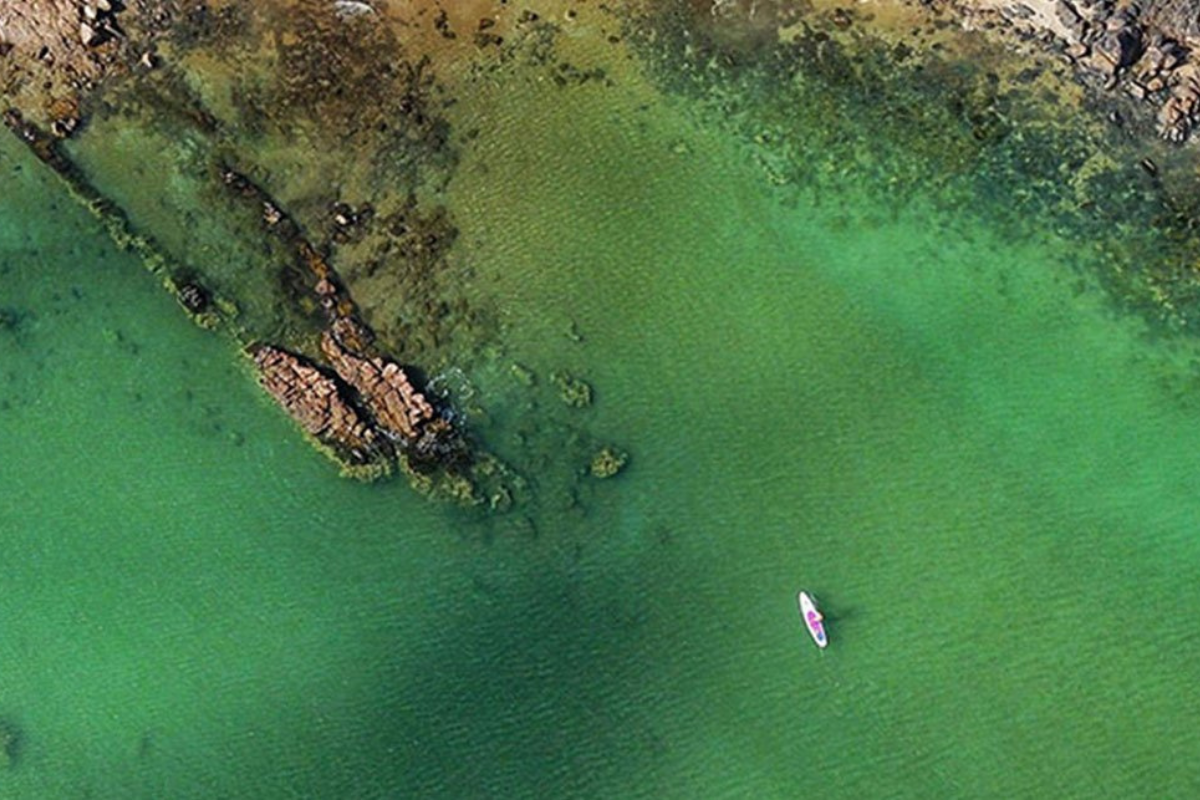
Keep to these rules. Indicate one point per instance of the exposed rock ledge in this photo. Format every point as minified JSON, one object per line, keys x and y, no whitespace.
{"x":401,"y":412}
{"x":314,"y":400}
{"x":367,"y":413}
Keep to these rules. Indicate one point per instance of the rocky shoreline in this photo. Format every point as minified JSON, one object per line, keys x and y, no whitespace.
{"x":1147,"y":48}
{"x":363,"y":411}
{"x":58,"y":61}
{"x":245,"y":150}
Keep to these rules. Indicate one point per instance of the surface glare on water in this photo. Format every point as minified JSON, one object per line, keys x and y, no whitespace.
{"x":981,"y":469}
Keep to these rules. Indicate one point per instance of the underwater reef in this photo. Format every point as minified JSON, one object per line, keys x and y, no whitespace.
{"x":282,"y":166}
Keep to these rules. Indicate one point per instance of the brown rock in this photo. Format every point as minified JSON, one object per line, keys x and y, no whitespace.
{"x":1179,"y":113}
{"x":350,"y":332}
{"x":399,"y":410}
{"x":313,"y":400}
{"x":89,"y":35}
{"x":1120,"y":45}
{"x":1077,"y":50}
{"x":1070,"y":19}
{"x":53,"y":50}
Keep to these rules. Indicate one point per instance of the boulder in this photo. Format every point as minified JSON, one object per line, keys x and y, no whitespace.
{"x":1071,"y":20}
{"x":313,"y":399}
{"x":400,"y":411}
{"x":1121,"y":43}
{"x":1179,"y":113}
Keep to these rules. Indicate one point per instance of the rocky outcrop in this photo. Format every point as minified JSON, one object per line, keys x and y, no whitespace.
{"x":314,"y":400}
{"x":1181,"y":111}
{"x":367,"y":413}
{"x":379,"y":390}
{"x":400,"y":411}
{"x":1144,"y":48}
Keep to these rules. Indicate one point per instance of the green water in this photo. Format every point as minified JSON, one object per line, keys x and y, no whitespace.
{"x":983,"y":471}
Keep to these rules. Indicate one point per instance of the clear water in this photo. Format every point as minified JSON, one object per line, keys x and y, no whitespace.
{"x":981,"y":469}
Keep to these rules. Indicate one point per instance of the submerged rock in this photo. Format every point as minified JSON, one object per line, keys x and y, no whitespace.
{"x":573,"y":391}
{"x":10,"y":743}
{"x":608,"y":462}
{"x":194,"y":297}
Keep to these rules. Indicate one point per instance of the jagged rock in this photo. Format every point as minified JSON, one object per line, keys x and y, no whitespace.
{"x":1070,"y":19}
{"x":350,"y":332}
{"x":313,"y":400}
{"x":1179,"y":113}
{"x":399,"y":410}
{"x":1121,"y":43}
{"x":90,"y":35}
{"x":63,"y":128}
{"x":1017,"y":11}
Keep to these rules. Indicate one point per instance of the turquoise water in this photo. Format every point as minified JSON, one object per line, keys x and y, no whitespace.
{"x":982,"y":469}
{"x":980,"y":466}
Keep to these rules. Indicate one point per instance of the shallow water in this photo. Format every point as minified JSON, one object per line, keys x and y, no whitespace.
{"x":980,"y":467}
{"x":953,"y":439}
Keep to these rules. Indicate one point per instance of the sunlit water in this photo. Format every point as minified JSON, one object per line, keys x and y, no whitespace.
{"x":983,"y":471}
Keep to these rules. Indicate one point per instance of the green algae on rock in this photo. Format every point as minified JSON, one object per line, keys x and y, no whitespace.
{"x":366,"y":413}
{"x":608,"y":462}
{"x":572,"y":390}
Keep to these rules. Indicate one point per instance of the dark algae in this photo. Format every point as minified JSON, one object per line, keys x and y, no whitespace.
{"x":964,"y":122}
{"x":283,"y":167}
{"x":233,"y":256}
{"x":11,"y":744}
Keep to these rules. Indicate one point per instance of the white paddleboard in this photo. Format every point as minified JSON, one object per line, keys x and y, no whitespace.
{"x":812,"y":619}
